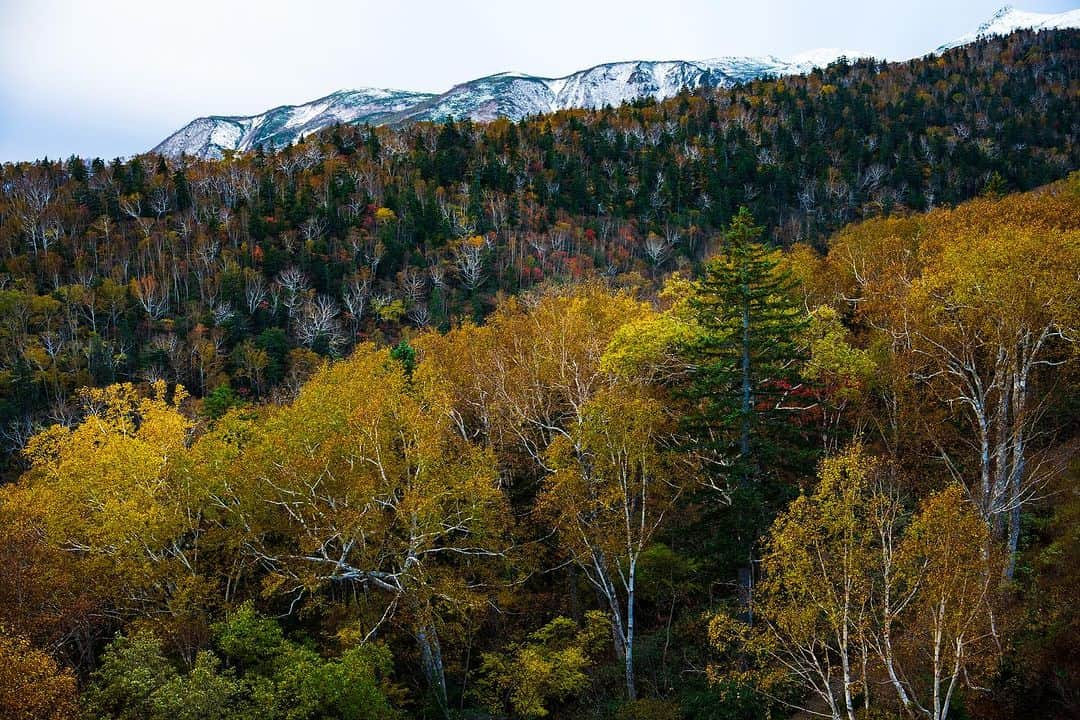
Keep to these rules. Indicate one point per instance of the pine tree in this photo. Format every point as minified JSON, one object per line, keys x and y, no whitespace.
{"x":746,"y":356}
{"x":183,"y":191}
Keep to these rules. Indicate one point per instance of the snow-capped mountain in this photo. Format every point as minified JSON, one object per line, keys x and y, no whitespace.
{"x":511,"y":95}
{"x":517,"y":95}
{"x":1009,"y":19}
{"x":209,"y":136}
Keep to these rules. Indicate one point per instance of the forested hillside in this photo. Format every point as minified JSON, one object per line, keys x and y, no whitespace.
{"x":747,"y":404}
{"x":593,"y":505}
{"x":231,"y":277}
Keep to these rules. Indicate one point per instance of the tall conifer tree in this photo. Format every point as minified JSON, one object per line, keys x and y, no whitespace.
{"x":747,"y":355}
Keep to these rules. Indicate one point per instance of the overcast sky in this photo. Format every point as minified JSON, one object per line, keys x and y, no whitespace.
{"x":114,"y":77}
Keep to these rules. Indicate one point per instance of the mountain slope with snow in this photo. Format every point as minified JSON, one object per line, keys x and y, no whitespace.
{"x":1008,"y":19}
{"x":209,"y":136}
{"x":511,"y":95}
{"x":519,"y":95}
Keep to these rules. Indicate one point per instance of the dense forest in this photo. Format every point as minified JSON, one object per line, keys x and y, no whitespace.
{"x":749,"y":403}
{"x":234,"y":277}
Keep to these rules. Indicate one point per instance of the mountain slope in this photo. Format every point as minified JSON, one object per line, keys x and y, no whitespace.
{"x":1008,"y":19}
{"x":209,"y":136}
{"x":511,"y":95}
{"x":519,"y":95}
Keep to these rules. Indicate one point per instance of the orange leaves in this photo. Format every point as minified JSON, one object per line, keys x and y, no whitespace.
{"x":1019,"y":238}
{"x":32,"y":686}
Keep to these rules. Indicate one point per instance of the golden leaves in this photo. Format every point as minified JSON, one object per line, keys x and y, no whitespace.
{"x":105,"y":487}
{"x":32,"y":686}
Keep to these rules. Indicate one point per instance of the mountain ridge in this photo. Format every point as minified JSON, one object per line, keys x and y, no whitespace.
{"x":516,"y":95}
{"x":1008,"y":19}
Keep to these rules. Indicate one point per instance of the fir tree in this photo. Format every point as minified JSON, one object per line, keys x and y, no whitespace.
{"x":746,"y":356}
{"x":183,"y":192}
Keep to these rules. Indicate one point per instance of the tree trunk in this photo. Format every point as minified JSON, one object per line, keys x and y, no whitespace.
{"x":1013,"y":540}
{"x":1016,"y":471}
{"x":573,"y":594}
{"x":744,"y":439}
{"x":631,"y":690}
{"x":431,"y":654}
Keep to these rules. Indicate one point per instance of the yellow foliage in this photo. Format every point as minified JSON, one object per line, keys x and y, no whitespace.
{"x":106,"y":486}
{"x":32,"y":685}
{"x":385,"y":215}
{"x":364,"y":478}
{"x":532,"y":366}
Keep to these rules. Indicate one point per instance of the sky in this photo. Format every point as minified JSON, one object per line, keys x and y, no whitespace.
{"x":113,"y":78}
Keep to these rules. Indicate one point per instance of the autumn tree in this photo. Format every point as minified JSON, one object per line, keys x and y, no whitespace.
{"x":32,"y":685}
{"x":947,"y":641}
{"x":978,"y":307}
{"x":363,"y":482}
{"x":110,"y":495}
{"x":524,"y":377}
{"x":549,"y":667}
{"x":614,"y":481}
{"x":839,"y":374}
{"x":990,"y":310}
{"x":855,"y":587}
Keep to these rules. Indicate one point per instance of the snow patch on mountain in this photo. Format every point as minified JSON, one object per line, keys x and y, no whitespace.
{"x":513,"y":95}
{"x":211,"y":136}
{"x":1008,"y":19}
{"x":516,"y":95}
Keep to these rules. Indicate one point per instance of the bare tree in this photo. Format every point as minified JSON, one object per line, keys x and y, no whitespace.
{"x":313,"y":228}
{"x":469,"y":260}
{"x":31,"y":194}
{"x":437,"y":273}
{"x":420,"y":315}
{"x":255,"y":291}
{"x":317,"y":321}
{"x":412,"y":284}
{"x":222,"y":312}
{"x":658,"y":249}
{"x":159,"y":201}
{"x":355,"y":296}
{"x":152,"y":296}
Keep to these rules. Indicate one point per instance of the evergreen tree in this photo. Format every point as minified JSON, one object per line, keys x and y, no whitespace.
{"x":183,"y":192}
{"x":746,"y":355}
{"x":745,"y":359}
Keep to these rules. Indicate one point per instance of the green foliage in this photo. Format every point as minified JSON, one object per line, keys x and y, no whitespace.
{"x":132,"y":670}
{"x":405,"y":354}
{"x":649,"y":709}
{"x":725,"y":700}
{"x":263,"y":676}
{"x":833,"y":359}
{"x":220,"y":401}
{"x":995,"y":186}
{"x":197,"y":248}
{"x":204,"y":693}
{"x":743,"y":388}
{"x":746,"y":354}
{"x":430,"y":489}
{"x":549,"y":668}
{"x":249,"y":640}
{"x":308,"y":687}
